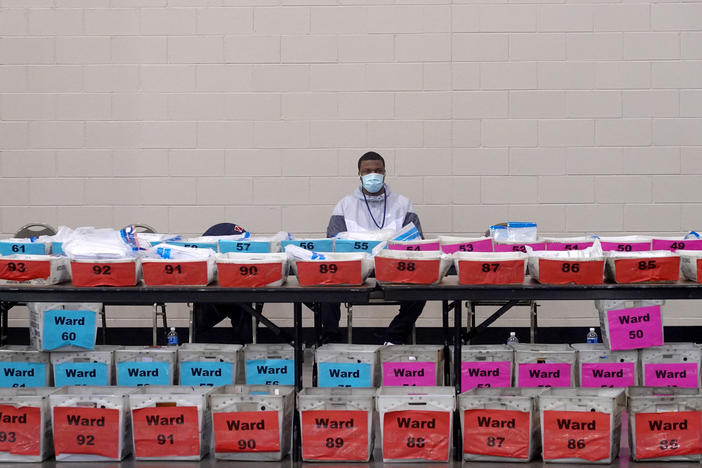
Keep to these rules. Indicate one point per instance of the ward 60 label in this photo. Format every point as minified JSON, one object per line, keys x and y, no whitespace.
{"x":556,"y":374}
{"x":671,"y":374}
{"x":481,"y":374}
{"x":668,"y":434}
{"x":576,"y":434}
{"x":335,"y":435}
{"x":494,"y":272}
{"x":248,"y":275}
{"x":171,"y":431}
{"x":86,"y":431}
{"x":329,"y":273}
{"x":638,"y":327}
{"x":68,"y":328}
{"x":246,"y":431}
{"x":21,"y":429}
{"x":497,"y":433}
{"x":421,"y":435}
{"x":24,"y":270}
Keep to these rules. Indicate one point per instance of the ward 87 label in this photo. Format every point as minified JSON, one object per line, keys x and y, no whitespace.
{"x":576,"y":434}
{"x":413,"y":435}
{"x":335,"y":435}
{"x":497,"y":433}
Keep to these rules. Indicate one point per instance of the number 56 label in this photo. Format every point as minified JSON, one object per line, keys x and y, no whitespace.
{"x":170,"y":431}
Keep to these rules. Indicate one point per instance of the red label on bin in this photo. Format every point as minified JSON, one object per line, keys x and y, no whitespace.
{"x":493,"y":272}
{"x":699,"y":270}
{"x":668,"y":434}
{"x":248,"y":275}
{"x":639,"y":270}
{"x":315,"y":273}
{"x":416,"y":435}
{"x":86,"y":431}
{"x":246,"y":431}
{"x":394,"y":270}
{"x":335,"y":435}
{"x":20,"y":430}
{"x":576,"y":434}
{"x":497,"y":433}
{"x":171,"y":431}
{"x":24,"y":270}
{"x":103,"y":274}
{"x":570,"y":272}
{"x":174,"y":273}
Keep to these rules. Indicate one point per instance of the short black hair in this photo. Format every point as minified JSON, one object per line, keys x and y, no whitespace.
{"x":370,"y":156}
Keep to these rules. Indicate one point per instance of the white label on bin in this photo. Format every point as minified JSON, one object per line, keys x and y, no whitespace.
{"x":270,"y":372}
{"x":68,"y":328}
{"x":22,"y":374}
{"x":137,"y":374}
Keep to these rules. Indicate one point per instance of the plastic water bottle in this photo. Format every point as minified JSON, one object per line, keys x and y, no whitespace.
{"x":172,"y":337}
{"x":512,"y":340}
{"x":592,"y":336}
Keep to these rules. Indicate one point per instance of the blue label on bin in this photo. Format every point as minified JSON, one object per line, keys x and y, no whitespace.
{"x":81,"y":373}
{"x":318,"y":245}
{"x":244,"y":246}
{"x":270,"y":372}
{"x":195,"y":245}
{"x":344,"y":374}
{"x":12,"y":248}
{"x":22,"y":374}
{"x":347,"y":245}
{"x":68,"y":328}
{"x":206,"y":373}
{"x":137,"y":374}
{"x":57,"y":248}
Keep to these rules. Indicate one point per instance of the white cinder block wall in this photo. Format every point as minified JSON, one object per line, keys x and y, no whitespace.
{"x":584,"y":115}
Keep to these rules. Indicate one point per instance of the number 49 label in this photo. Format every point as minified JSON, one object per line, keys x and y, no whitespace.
{"x":171,"y":431}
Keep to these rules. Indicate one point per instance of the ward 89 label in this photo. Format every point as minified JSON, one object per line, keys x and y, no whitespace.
{"x":668,"y":434}
{"x":335,"y":435}
{"x":576,"y":434}
{"x":497,"y":433}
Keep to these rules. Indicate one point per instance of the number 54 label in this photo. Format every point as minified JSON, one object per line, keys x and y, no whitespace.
{"x":170,"y":431}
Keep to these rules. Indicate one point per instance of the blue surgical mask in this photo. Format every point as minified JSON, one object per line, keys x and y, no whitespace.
{"x":372,"y":182}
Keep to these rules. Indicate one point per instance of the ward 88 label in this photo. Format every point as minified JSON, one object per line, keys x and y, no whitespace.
{"x":412,"y":435}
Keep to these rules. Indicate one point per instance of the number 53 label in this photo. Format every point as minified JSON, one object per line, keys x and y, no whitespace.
{"x":169,"y":431}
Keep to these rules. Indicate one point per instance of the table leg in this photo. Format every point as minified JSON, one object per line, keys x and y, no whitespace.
{"x":457,"y":438}
{"x":297,"y":439}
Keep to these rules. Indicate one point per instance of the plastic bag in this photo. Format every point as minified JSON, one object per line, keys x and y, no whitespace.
{"x":176,"y":252}
{"x":102,"y":244}
{"x":514,"y":232}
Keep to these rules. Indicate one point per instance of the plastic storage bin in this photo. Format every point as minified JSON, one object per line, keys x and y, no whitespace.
{"x":486,"y":366}
{"x":171,"y":423}
{"x":416,"y":423}
{"x":337,"y":424}
{"x":252,"y":422}
{"x":630,"y":324}
{"x":34,"y":269}
{"x":93,"y":368}
{"x":566,"y":267}
{"x":665,"y":424}
{"x":269,"y":364}
{"x":642,"y":267}
{"x":91,"y":423}
{"x":568,"y":243}
{"x":451,"y":244}
{"x":106,"y":272}
{"x":409,"y":267}
{"x":334,"y":269}
{"x":24,"y":246}
{"x":544,"y":365}
{"x":500,"y":424}
{"x":186,"y":272}
{"x":490,"y":268}
{"x":205,"y":364}
{"x":145,"y":365}
{"x":24,"y":366}
{"x":415,"y":245}
{"x":671,"y":365}
{"x":241,"y":270}
{"x":599,"y":367}
{"x":626,"y":243}
{"x":63,"y":327}
{"x":347,"y":365}
{"x":412,"y":365}
{"x":581,"y":425}
{"x":691,"y":265}
{"x":25,"y":424}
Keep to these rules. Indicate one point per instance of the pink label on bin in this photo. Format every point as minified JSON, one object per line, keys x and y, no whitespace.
{"x":667,"y":244}
{"x":677,"y":374}
{"x":626,"y":246}
{"x":519,"y":247}
{"x":638,"y":327}
{"x":422,"y":247}
{"x":607,"y":374}
{"x":568,"y":245}
{"x":399,"y":374}
{"x":484,"y":245}
{"x":554,"y":374}
{"x":485,"y":374}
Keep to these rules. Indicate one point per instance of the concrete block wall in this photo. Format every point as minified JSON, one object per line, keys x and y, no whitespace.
{"x":582,"y":115}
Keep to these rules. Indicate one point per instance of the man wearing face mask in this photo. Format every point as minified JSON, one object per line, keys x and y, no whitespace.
{"x":372,"y":207}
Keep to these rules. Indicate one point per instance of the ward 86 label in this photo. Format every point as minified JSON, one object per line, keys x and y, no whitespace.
{"x":576,"y":434}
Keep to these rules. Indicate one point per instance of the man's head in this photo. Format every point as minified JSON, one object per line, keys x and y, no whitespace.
{"x":371,"y":170}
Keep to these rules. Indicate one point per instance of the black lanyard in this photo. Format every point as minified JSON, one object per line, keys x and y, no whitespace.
{"x":385,"y":206}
